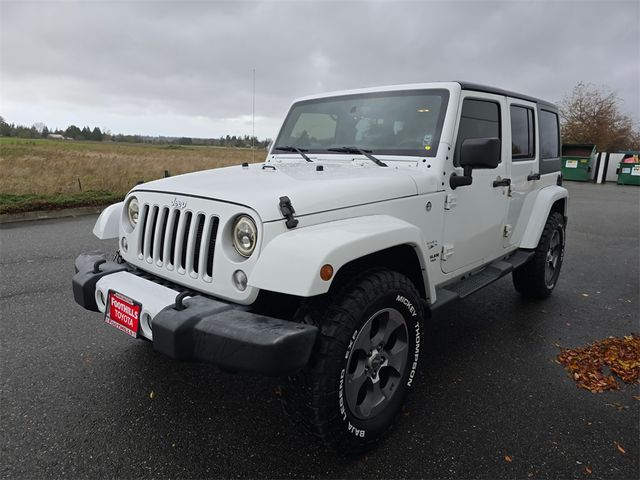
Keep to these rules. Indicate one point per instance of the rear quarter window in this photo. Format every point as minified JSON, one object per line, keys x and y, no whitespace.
{"x":549,"y":134}
{"x":522,"y":133}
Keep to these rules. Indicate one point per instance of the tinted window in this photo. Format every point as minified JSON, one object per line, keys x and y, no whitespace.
{"x":402,"y":123}
{"x":522,"y":133}
{"x":479,"y":119}
{"x":322,"y":125}
{"x":549,"y":136}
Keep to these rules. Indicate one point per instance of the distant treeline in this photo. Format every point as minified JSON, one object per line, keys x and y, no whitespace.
{"x":72,"y":132}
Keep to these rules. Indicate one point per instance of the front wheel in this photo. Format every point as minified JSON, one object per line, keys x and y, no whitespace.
{"x":538,"y":277}
{"x":363,"y":364}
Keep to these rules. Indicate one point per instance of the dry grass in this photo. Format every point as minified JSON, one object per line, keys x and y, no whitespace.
{"x":52,"y":167}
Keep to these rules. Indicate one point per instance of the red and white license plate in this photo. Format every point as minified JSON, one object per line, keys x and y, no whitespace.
{"x":122,"y":313}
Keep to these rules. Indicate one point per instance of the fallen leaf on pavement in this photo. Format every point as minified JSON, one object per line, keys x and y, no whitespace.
{"x":585,"y":365}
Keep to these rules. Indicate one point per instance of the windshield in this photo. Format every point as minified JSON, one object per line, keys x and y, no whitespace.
{"x":384,"y":123}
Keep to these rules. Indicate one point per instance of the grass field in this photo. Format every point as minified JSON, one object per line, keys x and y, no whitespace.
{"x":37,"y":174}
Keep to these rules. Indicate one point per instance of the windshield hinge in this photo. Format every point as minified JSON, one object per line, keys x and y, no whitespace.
{"x":287,"y":211}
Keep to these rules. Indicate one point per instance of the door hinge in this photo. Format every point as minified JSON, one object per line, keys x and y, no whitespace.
{"x":447,"y":251}
{"x":450,"y":201}
{"x":506,"y":231}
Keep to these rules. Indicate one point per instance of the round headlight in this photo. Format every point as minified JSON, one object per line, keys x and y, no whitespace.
{"x":133,"y":210}
{"x":245,"y":235}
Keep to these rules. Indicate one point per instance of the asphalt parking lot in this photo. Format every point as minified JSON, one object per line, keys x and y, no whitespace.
{"x":77,"y":402}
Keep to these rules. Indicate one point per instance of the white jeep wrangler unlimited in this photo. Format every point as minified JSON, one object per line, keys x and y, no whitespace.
{"x":373,"y":209}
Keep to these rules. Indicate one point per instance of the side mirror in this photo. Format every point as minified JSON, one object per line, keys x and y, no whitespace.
{"x":476,"y":153}
{"x":480,"y":153}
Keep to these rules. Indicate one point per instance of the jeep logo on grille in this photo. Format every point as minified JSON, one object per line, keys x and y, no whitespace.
{"x":178,"y":203}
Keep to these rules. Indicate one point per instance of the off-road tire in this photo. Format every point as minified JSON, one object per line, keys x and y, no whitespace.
{"x":535,"y":279}
{"x":316,"y":397}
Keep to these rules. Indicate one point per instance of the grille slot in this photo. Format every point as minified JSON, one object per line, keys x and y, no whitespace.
{"x":196,"y":251}
{"x":153,"y":220}
{"x":211,"y":244}
{"x":185,"y":238}
{"x":161,"y":235}
{"x":174,"y":236}
{"x":143,"y":225}
{"x":177,"y":240}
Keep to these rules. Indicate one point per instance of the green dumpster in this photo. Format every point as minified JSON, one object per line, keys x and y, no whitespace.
{"x":629,"y":169}
{"x":577,"y":160}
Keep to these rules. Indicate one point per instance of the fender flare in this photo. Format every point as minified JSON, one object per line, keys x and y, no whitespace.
{"x":108,"y":224}
{"x":541,"y":209}
{"x":291,"y":262}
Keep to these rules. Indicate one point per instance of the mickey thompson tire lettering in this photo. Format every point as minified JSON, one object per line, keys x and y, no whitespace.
{"x":407,"y":303}
{"x":315,"y":397}
{"x":416,"y":356}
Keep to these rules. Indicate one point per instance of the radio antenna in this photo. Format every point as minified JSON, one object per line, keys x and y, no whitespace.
{"x":253,"y":118}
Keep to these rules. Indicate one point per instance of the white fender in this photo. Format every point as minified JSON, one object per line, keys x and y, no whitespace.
{"x":291,"y":262}
{"x":541,"y":208}
{"x":108,"y":223}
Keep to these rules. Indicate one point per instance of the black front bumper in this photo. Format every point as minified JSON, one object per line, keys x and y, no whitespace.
{"x":212,"y":331}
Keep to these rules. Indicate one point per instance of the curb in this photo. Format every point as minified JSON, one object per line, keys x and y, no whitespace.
{"x":49,"y":214}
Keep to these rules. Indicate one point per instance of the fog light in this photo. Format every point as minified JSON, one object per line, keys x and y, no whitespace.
{"x":124,"y":244}
{"x":240,"y":280}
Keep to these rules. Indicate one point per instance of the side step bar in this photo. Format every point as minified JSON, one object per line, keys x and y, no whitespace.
{"x":471,"y":284}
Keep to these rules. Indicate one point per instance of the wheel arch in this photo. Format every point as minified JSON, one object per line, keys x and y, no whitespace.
{"x":108,"y":224}
{"x":400,"y":258}
{"x":291,"y":262}
{"x":560,"y":206}
{"x":549,"y":199}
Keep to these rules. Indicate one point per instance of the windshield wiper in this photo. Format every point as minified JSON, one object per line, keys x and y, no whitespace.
{"x":366,"y":153}
{"x":301,"y":151}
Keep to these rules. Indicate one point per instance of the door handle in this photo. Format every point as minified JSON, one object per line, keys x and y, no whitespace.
{"x":505,"y":182}
{"x":533,"y":176}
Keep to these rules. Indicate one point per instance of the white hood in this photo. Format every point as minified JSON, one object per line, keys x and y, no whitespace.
{"x":310,"y":191}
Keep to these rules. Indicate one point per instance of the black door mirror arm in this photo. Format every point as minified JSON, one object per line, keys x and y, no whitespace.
{"x":463,"y":180}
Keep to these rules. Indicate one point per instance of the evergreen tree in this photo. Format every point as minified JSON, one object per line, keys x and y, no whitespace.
{"x":96,"y":134}
{"x":73,"y":132}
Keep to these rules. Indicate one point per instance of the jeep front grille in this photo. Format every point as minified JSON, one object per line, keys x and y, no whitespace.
{"x":178,"y":240}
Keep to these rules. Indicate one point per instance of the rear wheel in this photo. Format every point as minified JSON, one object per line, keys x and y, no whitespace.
{"x":539,"y":276}
{"x":364,"y":361}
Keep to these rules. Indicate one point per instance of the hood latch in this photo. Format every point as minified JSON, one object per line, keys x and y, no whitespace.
{"x":287,"y":211}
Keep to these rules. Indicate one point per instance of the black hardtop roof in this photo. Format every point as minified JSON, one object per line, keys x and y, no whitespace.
{"x":498,"y":91}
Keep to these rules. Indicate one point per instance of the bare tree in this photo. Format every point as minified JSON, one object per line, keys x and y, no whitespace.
{"x":593,"y":114}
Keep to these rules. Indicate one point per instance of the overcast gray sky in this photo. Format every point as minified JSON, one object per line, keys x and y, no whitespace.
{"x":184,"y":68}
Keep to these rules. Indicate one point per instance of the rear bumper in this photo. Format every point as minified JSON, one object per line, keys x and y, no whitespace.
{"x":206,"y":330}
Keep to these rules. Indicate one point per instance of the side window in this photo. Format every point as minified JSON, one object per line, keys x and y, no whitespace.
{"x":479,"y":119}
{"x":549,"y":136}
{"x":522,"y":133}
